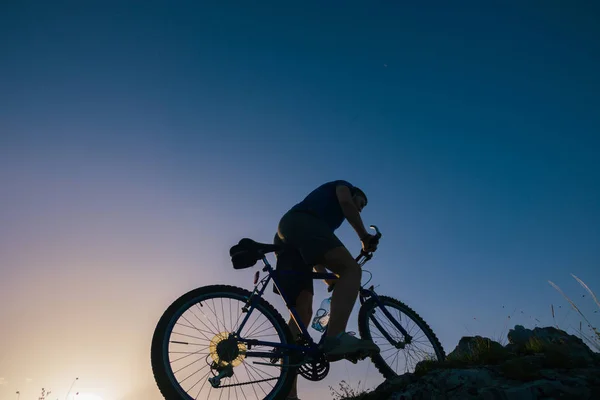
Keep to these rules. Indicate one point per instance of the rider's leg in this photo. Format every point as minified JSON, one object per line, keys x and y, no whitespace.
{"x":338,"y":344}
{"x":304,"y":309}
{"x":340,"y":261}
{"x":317,"y":244}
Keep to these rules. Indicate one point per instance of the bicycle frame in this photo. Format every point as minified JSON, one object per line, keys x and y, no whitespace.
{"x":258,"y":291}
{"x":311,"y":347}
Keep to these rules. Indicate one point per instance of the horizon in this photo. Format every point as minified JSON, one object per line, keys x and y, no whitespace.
{"x":140,"y":143}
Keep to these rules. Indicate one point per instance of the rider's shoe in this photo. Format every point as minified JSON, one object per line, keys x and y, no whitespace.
{"x":345,"y":345}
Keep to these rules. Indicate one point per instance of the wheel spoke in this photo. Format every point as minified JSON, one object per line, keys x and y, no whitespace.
{"x":200,"y":340}
{"x":401,"y":355}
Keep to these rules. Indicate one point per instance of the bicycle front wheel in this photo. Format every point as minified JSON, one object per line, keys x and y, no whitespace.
{"x":398,"y":354}
{"x":192,"y":343}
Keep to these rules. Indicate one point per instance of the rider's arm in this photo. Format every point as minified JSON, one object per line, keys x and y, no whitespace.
{"x":350,"y":211}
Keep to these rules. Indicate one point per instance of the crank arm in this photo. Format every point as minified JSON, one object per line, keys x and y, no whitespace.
{"x":277,"y":365}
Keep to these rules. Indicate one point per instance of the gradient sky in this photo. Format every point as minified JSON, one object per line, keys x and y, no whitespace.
{"x":140,"y":140}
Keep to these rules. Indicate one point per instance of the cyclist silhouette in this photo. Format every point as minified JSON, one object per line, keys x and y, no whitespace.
{"x":306,"y":233}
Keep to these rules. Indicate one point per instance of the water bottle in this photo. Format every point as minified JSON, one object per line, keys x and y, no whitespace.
{"x":321,"y":318}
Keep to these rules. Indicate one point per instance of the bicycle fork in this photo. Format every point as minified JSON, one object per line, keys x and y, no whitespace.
{"x":365,"y":294}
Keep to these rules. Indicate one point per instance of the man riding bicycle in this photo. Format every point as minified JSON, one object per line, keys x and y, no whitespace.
{"x":308,"y":229}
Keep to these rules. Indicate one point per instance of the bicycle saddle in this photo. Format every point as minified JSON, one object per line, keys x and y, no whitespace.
{"x":247,"y":252}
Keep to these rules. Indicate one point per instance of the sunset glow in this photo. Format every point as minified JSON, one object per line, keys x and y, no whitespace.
{"x":87,"y":396}
{"x":140,"y":141}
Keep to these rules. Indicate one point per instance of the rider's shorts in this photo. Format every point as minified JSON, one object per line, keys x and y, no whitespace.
{"x":306,"y":239}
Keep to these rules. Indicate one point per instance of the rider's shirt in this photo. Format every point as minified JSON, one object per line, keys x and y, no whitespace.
{"x":323,"y":203}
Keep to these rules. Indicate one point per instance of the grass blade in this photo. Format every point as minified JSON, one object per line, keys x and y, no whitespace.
{"x":588,"y":289}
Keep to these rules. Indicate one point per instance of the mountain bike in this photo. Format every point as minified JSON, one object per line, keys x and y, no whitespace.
{"x":225,"y":342}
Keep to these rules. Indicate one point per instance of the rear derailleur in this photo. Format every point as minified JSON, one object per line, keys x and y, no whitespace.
{"x":223,"y":372}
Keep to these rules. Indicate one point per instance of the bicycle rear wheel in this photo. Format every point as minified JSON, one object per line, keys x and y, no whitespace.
{"x":375,"y":325}
{"x":192,"y":343}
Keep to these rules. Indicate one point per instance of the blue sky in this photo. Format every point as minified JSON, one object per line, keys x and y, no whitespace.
{"x":139,"y":142}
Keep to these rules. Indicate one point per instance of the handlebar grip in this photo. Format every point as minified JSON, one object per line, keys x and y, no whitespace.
{"x":376,"y":238}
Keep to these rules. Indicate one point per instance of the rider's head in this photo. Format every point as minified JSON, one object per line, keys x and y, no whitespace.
{"x":359,"y":197}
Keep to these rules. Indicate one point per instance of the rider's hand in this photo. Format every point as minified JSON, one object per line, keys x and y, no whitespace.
{"x":369,"y":243}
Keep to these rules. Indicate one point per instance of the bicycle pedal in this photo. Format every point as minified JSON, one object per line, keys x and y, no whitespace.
{"x":352,"y":357}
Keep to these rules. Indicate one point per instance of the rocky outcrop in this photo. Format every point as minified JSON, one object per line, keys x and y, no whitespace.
{"x":543,"y":363}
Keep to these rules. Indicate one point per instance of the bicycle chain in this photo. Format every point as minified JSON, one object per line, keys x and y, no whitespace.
{"x":246,"y":383}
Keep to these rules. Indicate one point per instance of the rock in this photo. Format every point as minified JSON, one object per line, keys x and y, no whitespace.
{"x":519,"y":393}
{"x":543,"y":363}
{"x":560,"y":347}
{"x":476,"y":350}
{"x":473,"y":377}
{"x":544,"y":388}
{"x":492,"y":393}
{"x":522,"y":369}
{"x":519,"y":336}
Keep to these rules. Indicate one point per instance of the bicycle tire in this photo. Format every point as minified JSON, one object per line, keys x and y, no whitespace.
{"x":160,"y":359}
{"x":365,"y":333}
